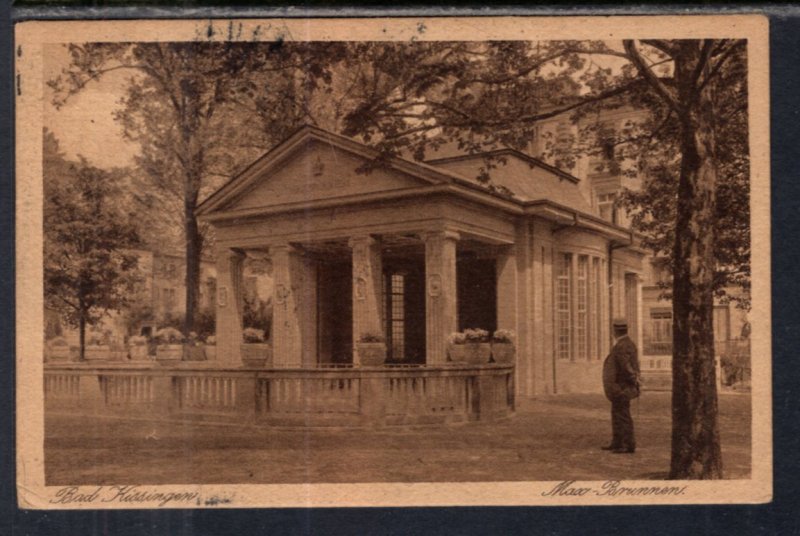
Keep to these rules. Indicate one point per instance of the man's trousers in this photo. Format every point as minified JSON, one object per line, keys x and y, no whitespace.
{"x":622,"y":424}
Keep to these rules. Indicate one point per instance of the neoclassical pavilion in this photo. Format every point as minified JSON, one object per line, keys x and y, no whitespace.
{"x":416,"y":251}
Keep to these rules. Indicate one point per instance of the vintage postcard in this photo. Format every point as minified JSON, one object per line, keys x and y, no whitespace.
{"x":393,"y":262}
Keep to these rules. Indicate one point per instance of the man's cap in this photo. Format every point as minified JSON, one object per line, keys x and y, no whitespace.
{"x":620,"y":323}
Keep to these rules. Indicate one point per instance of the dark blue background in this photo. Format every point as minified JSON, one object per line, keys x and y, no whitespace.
{"x":780,"y":517}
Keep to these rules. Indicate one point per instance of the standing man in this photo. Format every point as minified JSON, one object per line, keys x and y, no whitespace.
{"x":621,"y":385}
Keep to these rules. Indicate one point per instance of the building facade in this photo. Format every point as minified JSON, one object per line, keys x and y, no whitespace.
{"x":160,"y":300}
{"x":414,"y":252}
{"x":606,"y":176}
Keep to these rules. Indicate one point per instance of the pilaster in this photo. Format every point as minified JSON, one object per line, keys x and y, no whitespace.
{"x":441,"y":316}
{"x":367,"y":288}
{"x":286,"y":335}
{"x":229,"y":305}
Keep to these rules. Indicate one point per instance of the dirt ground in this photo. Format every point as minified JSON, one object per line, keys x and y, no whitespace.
{"x":549,"y":438}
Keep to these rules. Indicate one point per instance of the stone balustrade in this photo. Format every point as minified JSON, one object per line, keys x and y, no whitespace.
{"x":335,"y":396}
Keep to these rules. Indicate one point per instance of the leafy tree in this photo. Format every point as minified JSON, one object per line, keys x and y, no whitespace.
{"x":89,"y":269}
{"x":478,"y":96}
{"x":191,"y":107}
{"x":170,"y":109}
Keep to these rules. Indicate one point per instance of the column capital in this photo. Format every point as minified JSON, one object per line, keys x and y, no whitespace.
{"x":284,"y":247}
{"x":226,"y":252}
{"x":258,"y":254}
{"x":442,"y":234}
{"x":362,"y":240}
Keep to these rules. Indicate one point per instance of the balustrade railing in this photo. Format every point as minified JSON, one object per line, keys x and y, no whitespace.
{"x":215,"y":393}
{"x":125,"y":390}
{"x":61,"y":387}
{"x":294,"y":396}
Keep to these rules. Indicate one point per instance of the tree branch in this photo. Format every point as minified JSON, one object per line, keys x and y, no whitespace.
{"x":649,"y":76}
{"x":702,"y":62}
{"x":718,"y":65}
{"x":661,"y":44}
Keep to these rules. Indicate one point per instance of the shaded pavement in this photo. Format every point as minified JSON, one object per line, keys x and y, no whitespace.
{"x":549,"y":438}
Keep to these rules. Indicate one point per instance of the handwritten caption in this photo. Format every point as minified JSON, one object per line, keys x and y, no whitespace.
{"x":611,"y":488}
{"x":74,"y":495}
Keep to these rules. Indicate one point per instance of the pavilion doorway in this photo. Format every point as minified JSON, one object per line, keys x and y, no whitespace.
{"x":335,"y":312}
{"x":477,"y":293}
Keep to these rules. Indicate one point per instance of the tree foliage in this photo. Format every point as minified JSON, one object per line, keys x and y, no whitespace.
{"x":414,"y":98}
{"x":89,"y":269}
{"x":692,"y":149}
{"x":191,"y":107}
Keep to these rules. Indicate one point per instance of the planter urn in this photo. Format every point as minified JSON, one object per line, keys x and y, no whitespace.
{"x":97,"y":352}
{"x":168,"y":354}
{"x":256,"y":355}
{"x":371,"y":354}
{"x":503,"y":352}
{"x":139,"y":352}
{"x":477,"y":353}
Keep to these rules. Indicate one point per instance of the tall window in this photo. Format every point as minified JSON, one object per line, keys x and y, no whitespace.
{"x":597,"y":313}
{"x":563,"y":298}
{"x":396,"y":316}
{"x":581,"y":320}
{"x":578,"y":307}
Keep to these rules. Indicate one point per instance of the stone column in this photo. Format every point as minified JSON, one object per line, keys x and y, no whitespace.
{"x":229,"y":306}
{"x":286,"y":337}
{"x":441,"y":313}
{"x":507,"y":290}
{"x":367,"y":288}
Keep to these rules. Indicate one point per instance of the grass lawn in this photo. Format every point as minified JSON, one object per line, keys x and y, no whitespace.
{"x":549,"y":438}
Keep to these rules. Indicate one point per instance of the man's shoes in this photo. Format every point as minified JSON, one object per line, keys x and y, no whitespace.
{"x":623,"y":451}
{"x":610,"y":447}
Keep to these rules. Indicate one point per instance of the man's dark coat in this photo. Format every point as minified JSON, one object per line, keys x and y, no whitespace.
{"x":621,"y":371}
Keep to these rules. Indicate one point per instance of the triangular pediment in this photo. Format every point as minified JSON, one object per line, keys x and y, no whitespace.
{"x":315,"y":165}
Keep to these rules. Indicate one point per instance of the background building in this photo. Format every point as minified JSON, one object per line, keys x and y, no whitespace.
{"x":160,"y":301}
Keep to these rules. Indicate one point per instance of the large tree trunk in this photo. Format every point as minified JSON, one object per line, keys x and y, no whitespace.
{"x":194,"y":246}
{"x":695,"y":434}
{"x":82,"y":334}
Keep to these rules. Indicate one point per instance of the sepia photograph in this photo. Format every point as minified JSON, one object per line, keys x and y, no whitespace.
{"x":441,"y":261}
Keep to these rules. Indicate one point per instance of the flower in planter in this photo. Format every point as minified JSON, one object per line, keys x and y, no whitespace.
{"x":503,"y":336}
{"x":253,"y":335}
{"x":169,"y":346}
{"x":169,"y":336}
{"x":476,"y":346}
{"x":503,"y":346}
{"x":476,"y":335}
{"x":192,"y":339}
{"x":371,"y":337}
{"x":211,"y":340}
{"x":456,"y":338}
